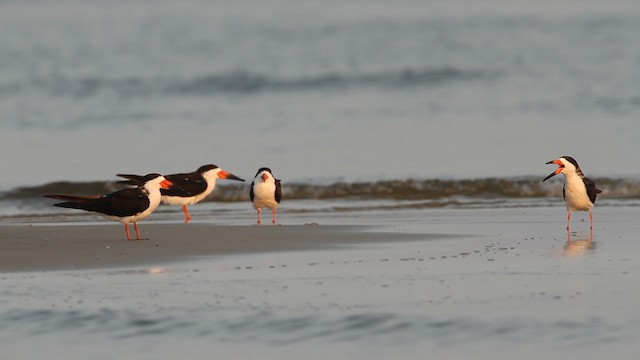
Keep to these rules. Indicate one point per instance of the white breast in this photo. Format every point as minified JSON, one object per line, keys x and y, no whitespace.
{"x":575,"y":193}
{"x":264,"y":195}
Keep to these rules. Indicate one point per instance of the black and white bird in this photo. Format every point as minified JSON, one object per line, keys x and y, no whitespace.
{"x":579,"y":192}
{"x":265,"y":192}
{"x":126,"y":206}
{"x":198,"y":185}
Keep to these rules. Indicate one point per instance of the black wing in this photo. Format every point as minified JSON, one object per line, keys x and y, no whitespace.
{"x":592,"y":191}
{"x":126,"y":202}
{"x":251,"y":191}
{"x":192,"y":183}
{"x":278,"y":193}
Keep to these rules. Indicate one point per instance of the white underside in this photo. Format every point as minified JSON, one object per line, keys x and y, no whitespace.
{"x":264,"y":195}
{"x":575,"y":193}
{"x":179,"y":200}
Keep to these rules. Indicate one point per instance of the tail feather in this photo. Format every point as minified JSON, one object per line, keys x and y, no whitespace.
{"x":73,"y":198}
{"x":127,"y":182}
{"x":71,"y":205}
{"x":73,"y":201}
{"x":131,"y":177}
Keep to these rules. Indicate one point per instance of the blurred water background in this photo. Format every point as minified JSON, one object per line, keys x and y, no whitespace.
{"x":320,"y":91}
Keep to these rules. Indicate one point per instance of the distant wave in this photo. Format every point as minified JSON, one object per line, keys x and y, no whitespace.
{"x":246,"y":82}
{"x":242,"y":82}
{"x":405,"y":189}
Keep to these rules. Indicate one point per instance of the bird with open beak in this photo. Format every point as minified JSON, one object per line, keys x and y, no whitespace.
{"x":265,"y":192}
{"x":578,"y":191}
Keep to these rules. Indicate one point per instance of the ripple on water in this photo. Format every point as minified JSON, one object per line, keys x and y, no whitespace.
{"x":271,"y":328}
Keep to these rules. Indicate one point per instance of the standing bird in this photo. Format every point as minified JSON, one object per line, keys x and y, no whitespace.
{"x":265,"y":192}
{"x":126,"y":206}
{"x":199,"y":184}
{"x":579,"y":192}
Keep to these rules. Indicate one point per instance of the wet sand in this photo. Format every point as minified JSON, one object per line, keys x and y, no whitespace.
{"x":450,"y":283}
{"x":77,"y":246}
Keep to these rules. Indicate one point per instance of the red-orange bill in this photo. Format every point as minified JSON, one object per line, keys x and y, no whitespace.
{"x":558,"y":170}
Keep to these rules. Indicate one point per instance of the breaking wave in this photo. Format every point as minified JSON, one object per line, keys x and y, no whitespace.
{"x":402,"y":189}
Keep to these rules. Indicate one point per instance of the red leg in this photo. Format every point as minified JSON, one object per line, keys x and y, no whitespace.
{"x":568,"y":219}
{"x":258,"y":215}
{"x":126,"y":230}
{"x":273,"y":215}
{"x":187,"y":217}
{"x":590,"y":220}
{"x":135,"y":226}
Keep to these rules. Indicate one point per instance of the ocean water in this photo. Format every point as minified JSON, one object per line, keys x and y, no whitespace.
{"x":340,"y":90}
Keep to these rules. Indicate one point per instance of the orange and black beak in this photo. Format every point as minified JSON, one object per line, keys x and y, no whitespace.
{"x":264,"y":177}
{"x":227,"y":175}
{"x":558,"y":170}
{"x":166,"y":184}
{"x":175,"y":189}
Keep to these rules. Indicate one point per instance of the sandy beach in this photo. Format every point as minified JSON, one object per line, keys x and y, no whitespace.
{"x":76,"y":246}
{"x":453,"y":283}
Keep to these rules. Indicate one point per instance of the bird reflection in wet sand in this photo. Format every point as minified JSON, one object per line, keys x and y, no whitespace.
{"x":579,"y":242}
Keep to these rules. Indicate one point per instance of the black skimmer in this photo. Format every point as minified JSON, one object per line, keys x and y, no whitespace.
{"x":265,"y":192}
{"x":198,"y":184}
{"x":579,"y":192}
{"x":126,"y":206}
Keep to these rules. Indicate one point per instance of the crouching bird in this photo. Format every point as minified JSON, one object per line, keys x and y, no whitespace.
{"x":127,"y":205}
{"x":579,"y":192}
{"x":265,"y":192}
